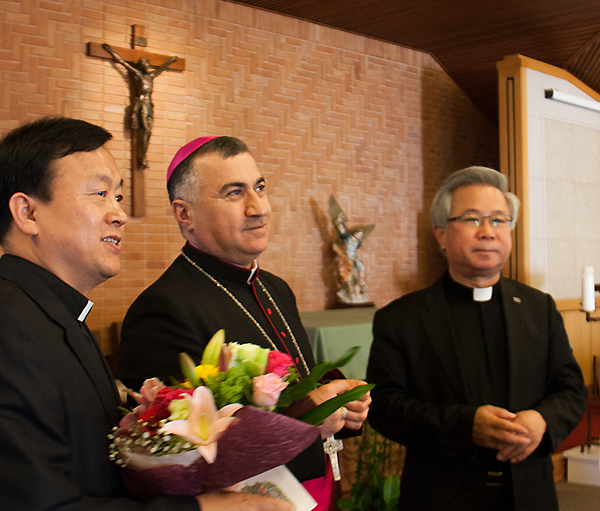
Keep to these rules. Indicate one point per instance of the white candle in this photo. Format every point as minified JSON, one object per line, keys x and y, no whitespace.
{"x":588,"y":300}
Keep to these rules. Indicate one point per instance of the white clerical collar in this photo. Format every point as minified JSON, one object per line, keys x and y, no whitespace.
{"x":253,"y":271}
{"x":86,"y":310}
{"x":482,"y":294}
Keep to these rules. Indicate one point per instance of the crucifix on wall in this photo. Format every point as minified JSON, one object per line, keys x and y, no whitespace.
{"x":143,"y":67}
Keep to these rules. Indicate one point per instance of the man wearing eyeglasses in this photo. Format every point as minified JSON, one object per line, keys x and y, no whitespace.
{"x":475,"y":374}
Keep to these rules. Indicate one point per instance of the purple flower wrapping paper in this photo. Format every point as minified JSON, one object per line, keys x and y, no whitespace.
{"x":258,"y":442}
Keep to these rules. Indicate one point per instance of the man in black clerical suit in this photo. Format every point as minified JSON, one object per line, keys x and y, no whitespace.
{"x":475,"y":374}
{"x":219,"y":200}
{"x":61,"y":224}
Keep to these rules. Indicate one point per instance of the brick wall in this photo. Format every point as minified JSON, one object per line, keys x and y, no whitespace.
{"x":323,"y":111}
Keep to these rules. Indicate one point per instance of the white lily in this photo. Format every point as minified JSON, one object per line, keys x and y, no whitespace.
{"x":205,"y":424}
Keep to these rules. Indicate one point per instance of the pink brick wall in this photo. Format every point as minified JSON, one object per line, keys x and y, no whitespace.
{"x":323,"y":111}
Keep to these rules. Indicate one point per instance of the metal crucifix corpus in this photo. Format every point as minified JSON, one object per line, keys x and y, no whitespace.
{"x":332,"y":446}
{"x":139,"y":65}
{"x":142,"y":115}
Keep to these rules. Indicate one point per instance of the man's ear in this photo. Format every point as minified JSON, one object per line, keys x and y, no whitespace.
{"x":183,"y":214}
{"x":440,"y":236}
{"x":23,"y":210}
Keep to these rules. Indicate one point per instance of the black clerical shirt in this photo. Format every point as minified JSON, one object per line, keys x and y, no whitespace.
{"x":480,"y":331}
{"x":78,"y":306}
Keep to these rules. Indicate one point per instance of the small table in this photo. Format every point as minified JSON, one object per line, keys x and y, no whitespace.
{"x":332,"y":332}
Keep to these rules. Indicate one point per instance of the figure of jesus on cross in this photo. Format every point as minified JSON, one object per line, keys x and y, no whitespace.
{"x":142,"y":114}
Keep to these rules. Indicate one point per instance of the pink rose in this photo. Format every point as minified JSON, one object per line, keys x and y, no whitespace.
{"x":279,"y":363}
{"x":266,"y":389}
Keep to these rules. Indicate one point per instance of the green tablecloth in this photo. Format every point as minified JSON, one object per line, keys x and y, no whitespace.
{"x":332,"y":332}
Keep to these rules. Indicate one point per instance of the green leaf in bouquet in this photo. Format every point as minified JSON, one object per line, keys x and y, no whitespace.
{"x":124,"y":410}
{"x":188,"y":368}
{"x":322,"y":369}
{"x":294,"y":392}
{"x":299,"y":390}
{"x":319,"y":413}
{"x":292,"y":376}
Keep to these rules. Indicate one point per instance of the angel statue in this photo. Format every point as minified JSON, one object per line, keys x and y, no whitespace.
{"x":351,"y":270}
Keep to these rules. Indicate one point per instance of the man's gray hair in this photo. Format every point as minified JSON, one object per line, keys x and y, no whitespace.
{"x":441,"y":207}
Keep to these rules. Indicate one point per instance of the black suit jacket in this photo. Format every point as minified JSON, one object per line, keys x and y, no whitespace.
{"x":58,"y":403}
{"x":421,"y":399}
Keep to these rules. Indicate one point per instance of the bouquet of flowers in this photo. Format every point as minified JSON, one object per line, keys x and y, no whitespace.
{"x":224,"y":423}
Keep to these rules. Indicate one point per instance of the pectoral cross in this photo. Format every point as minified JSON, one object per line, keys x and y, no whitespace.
{"x":139,"y":64}
{"x":332,"y":447}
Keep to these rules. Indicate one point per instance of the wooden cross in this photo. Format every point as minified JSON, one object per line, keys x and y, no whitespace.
{"x":138,"y":62}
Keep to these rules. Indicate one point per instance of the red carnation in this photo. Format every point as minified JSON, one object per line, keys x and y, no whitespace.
{"x":279,"y":363}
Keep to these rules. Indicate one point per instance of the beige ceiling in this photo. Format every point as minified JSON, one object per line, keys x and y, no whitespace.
{"x":468,"y":37}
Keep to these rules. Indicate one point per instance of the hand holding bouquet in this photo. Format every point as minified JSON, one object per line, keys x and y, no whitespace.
{"x":217,"y":427}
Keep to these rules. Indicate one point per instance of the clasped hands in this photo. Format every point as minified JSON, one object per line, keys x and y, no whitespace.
{"x":357,"y":410}
{"x":514,"y":435}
